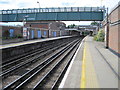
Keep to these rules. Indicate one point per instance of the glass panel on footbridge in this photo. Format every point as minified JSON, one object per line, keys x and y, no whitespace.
{"x":87,"y":8}
{"x":94,"y":8}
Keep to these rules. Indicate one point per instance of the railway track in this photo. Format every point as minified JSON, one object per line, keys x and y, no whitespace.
{"x":25,"y":54}
{"x":16,"y":64}
{"x":32,"y":77}
{"x":19,"y":58}
{"x":43,"y":46}
{"x":53,"y":77}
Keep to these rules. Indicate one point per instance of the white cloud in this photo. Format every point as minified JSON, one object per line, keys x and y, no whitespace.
{"x":15,"y":4}
{"x":46,"y":3}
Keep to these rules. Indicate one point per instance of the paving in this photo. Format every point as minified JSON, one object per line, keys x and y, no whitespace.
{"x":93,"y":66}
{"x":30,"y":42}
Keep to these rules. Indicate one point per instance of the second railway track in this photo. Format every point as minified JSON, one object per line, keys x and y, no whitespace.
{"x":32,"y":78}
{"x":13,"y":74}
{"x":12,"y":66}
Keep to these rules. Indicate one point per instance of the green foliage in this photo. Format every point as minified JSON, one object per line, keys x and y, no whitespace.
{"x":6,"y":33}
{"x":94,"y":23}
{"x":99,"y":36}
{"x":71,"y":26}
{"x":86,"y":33}
{"x":7,"y":37}
{"x":3,"y":38}
{"x":95,"y":37}
{"x":19,"y":36}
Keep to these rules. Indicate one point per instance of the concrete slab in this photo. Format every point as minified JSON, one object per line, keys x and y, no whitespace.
{"x":30,"y":42}
{"x":98,"y":73}
{"x":105,"y":75}
{"x":110,"y":58}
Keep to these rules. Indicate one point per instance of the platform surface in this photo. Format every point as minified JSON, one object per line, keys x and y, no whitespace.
{"x":93,"y":66}
{"x":30,"y":42}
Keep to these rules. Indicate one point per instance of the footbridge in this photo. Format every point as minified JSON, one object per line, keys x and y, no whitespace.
{"x":53,"y":14}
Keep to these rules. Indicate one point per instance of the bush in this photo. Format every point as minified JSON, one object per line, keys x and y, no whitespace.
{"x":99,"y":36}
{"x":6,"y":33}
{"x":95,"y":37}
{"x":19,"y":36}
{"x":3,"y":38}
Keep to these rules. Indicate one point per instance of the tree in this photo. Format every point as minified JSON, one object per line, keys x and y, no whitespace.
{"x":71,"y":26}
{"x":100,"y":36}
{"x":94,"y":23}
{"x":6,"y":33}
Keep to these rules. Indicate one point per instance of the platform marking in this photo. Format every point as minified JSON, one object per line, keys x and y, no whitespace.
{"x":89,"y":77}
{"x":29,"y":42}
{"x":69,"y":68}
{"x":83,"y":77}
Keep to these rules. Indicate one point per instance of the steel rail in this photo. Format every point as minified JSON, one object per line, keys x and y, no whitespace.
{"x":19,"y":56}
{"x":29,"y":73}
{"x":29,"y":61}
{"x":26,"y":57}
{"x":32,"y":76}
{"x":40,"y":83}
{"x":23,"y":58}
{"x":28,"y":53}
{"x":56,"y":83}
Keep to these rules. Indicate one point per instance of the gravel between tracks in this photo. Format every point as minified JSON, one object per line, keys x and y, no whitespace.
{"x":17,"y":74}
{"x":57,"y":72}
{"x":38,"y":77}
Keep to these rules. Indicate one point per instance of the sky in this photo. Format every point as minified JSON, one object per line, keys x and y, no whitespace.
{"x":20,"y":4}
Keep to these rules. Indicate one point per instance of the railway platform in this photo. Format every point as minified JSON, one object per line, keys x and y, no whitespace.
{"x":93,"y":66}
{"x":30,"y":42}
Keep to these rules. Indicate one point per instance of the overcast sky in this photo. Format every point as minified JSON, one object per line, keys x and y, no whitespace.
{"x":15,"y":4}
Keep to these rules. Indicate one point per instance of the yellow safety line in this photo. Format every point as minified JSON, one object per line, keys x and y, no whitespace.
{"x":88,"y":77}
{"x":21,"y":43}
{"x":83,"y":78}
{"x":91,"y":77}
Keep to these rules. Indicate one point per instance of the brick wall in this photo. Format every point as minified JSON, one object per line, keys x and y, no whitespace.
{"x":114,"y":29}
{"x":47,"y":25}
{"x":17,"y":30}
{"x":37,"y":25}
{"x":119,"y":38}
{"x":113,"y":38}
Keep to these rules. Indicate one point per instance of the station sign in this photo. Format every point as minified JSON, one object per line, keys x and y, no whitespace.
{"x":24,"y":32}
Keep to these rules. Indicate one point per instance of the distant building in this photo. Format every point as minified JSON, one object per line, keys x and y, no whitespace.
{"x":89,"y":28}
{"x":47,"y":25}
{"x":53,"y":28}
{"x":34,"y":30}
{"x":10,"y":31}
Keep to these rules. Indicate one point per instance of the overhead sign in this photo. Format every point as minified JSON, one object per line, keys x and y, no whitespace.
{"x":30,"y":18}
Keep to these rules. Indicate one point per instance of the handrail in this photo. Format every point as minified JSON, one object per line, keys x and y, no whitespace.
{"x":59,"y":9}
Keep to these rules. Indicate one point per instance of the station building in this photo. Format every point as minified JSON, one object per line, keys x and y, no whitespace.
{"x":36,"y":30}
{"x":10,"y":31}
{"x":47,"y":28}
{"x":92,"y":29}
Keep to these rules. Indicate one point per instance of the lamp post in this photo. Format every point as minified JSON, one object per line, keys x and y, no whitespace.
{"x":107,"y":31}
{"x":39,"y":5}
{"x":25,"y":19}
{"x":106,"y":28}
